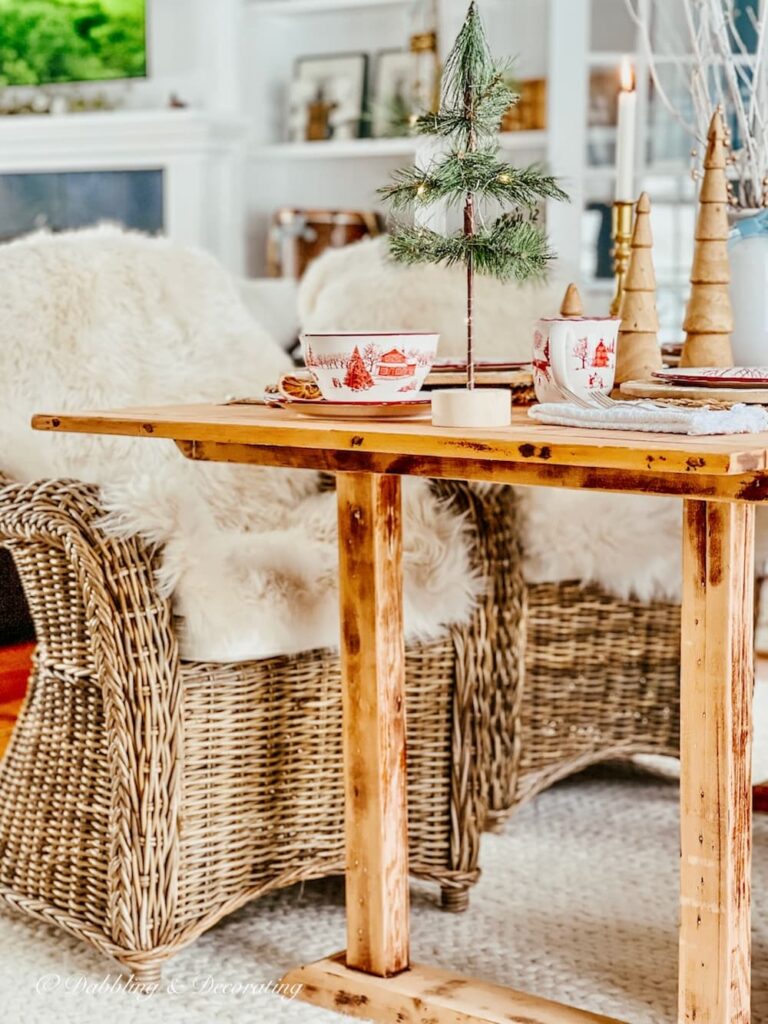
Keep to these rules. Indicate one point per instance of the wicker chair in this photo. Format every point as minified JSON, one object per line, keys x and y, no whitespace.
{"x":602,"y":682}
{"x":143,"y":797}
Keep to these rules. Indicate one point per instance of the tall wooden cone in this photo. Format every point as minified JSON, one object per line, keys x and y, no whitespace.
{"x":709,"y":318}
{"x":572,"y":305}
{"x":638,"y":353}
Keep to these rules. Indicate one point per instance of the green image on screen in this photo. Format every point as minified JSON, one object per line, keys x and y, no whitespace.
{"x":48,"y":41}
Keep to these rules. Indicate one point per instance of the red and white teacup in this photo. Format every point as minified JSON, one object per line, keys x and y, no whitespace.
{"x":577,"y":353}
{"x":369,"y":366}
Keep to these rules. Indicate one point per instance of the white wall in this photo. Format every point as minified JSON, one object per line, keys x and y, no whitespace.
{"x":193,"y":50}
{"x":518,"y":29}
{"x":611,"y":27}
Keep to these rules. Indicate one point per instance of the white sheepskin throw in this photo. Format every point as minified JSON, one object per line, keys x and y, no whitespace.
{"x":101,"y":318}
{"x":631,"y":545}
{"x":358,"y":288}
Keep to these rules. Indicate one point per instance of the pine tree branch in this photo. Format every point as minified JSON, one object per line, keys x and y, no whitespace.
{"x":469,"y":67}
{"x":481,"y":173}
{"x":474,"y":98}
{"x":486,"y":114}
{"x":511,"y":248}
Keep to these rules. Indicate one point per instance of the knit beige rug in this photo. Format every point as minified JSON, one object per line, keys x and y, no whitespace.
{"x":578,"y":902}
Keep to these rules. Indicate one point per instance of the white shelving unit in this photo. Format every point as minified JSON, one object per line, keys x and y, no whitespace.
{"x":291,"y":8}
{"x":345,"y":174}
{"x":352,"y":149}
{"x":510,"y":142}
{"x":562,"y":40}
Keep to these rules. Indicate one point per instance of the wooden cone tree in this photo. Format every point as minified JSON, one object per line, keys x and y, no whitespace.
{"x":709,"y":319}
{"x":638,"y":353}
{"x":572,"y":305}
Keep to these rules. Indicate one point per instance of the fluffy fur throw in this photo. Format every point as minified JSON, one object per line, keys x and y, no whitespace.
{"x":358,"y":288}
{"x":628,"y":544}
{"x":99,"y":319}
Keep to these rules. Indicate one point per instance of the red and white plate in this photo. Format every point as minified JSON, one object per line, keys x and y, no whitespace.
{"x":400,"y":409}
{"x":716,"y":376}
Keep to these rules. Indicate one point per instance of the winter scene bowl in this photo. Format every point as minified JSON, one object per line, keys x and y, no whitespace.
{"x":369,"y":367}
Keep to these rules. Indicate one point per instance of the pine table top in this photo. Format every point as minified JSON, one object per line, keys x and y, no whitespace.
{"x":727,"y":466}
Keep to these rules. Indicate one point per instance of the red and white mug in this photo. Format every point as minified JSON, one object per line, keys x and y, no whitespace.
{"x":576,"y":353}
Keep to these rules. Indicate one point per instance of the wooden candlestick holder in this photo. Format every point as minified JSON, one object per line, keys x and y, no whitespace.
{"x":621,"y":233}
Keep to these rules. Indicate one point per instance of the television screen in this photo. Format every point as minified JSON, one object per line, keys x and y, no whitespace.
{"x":48,"y":41}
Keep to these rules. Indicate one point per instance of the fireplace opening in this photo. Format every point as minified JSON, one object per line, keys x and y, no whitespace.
{"x":60,"y":201}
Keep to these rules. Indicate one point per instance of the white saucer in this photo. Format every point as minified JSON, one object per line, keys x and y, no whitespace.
{"x":396,"y":409}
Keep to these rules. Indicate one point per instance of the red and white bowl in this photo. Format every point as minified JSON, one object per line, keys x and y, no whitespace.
{"x":369,"y":367}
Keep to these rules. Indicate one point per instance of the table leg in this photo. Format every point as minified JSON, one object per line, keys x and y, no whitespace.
{"x":373,"y":672}
{"x":716,"y":713}
{"x":373,"y":979}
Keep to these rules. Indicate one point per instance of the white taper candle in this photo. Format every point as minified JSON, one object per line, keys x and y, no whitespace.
{"x":625,"y":135}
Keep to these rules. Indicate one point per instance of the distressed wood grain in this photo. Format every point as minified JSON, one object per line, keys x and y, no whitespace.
{"x":523,"y":441}
{"x":715,"y":784}
{"x":373,"y":681}
{"x":751,"y":487}
{"x":427,"y":995}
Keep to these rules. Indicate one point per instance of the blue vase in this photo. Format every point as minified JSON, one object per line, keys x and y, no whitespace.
{"x":748,"y":257}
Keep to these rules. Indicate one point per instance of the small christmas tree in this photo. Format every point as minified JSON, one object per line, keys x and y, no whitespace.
{"x":474,"y":98}
{"x":357,"y":377}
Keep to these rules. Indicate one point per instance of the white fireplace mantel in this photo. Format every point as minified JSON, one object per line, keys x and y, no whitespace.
{"x":201,"y":155}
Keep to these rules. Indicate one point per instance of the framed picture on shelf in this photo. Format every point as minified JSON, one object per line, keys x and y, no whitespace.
{"x":391,"y":93}
{"x":602,"y":117}
{"x":530,"y":111}
{"x":603,"y":97}
{"x":327,"y":97}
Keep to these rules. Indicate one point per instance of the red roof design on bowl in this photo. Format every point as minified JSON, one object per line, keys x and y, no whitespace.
{"x":394,"y":356}
{"x":395,"y":364}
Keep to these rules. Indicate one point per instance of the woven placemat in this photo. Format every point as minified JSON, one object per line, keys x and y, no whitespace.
{"x":687,"y":403}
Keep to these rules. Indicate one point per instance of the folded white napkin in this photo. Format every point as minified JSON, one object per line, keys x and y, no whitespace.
{"x":648,"y":416}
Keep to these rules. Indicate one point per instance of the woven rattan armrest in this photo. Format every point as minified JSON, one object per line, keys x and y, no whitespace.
{"x":114,"y":577}
{"x":100,"y":620}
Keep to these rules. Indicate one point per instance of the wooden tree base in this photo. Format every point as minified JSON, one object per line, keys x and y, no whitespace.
{"x":424,"y":995}
{"x":481,"y":407}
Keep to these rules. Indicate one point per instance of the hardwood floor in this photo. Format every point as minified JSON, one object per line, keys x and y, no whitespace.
{"x":9,"y":712}
{"x":15,"y":664}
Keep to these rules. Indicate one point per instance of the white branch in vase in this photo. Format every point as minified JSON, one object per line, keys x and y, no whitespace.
{"x":720,"y":69}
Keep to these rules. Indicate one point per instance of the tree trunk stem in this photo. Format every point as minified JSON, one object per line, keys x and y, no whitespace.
{"x":469,"y":230}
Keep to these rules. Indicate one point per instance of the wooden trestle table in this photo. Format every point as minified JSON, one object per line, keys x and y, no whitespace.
{"x":719,"y":479}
